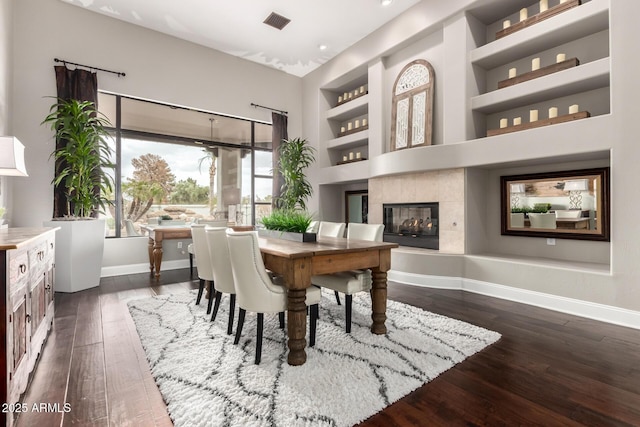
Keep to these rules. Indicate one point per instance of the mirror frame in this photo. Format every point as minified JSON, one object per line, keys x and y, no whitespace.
{"x":603,"y":207}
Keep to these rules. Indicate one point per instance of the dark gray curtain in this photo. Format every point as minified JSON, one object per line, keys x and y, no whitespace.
{"x":278,"y":133}
{"x":72,"y":84}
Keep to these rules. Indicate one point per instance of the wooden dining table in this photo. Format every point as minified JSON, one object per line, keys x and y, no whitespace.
{"x":296,"y":262}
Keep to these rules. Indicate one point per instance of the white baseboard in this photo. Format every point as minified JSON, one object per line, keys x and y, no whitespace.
{"x":590,"y":310}
{"x":121,"y":270}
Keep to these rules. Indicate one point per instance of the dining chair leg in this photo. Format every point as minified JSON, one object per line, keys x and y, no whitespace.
{"x":200,"y":291}
{"x":314,"y":325}
{"x":281,"y":319}
{"x":348,"y":304}
{"x":337,"y":297}
{"x":211,"y":296}
{"x":241,"y":314}
{"x":259,"y":338}
{"x":216,"y":306}
{"x":190,"y":265}
{"x":232,"y":309}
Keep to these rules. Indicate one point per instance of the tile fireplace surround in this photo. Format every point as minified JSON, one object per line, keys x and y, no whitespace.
{"x":445,"y":186}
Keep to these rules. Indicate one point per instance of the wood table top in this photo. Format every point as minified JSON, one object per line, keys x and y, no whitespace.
{"x":13,"y":238}
{"x":324,"y":245}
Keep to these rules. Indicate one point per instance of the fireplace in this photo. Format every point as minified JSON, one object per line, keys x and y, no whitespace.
{"x":412,"y":224}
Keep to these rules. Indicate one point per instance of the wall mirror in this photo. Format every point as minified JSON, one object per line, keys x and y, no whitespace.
{"x":356,"y":206}
{"x":567,"y":205}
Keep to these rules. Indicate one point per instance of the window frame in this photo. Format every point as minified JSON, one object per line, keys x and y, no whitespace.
{"x":119,"y":134}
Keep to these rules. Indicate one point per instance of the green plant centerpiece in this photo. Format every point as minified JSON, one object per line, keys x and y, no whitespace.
{"x":84,"y":173}
{"x":83,"y":163}
{"x":290,"y":214}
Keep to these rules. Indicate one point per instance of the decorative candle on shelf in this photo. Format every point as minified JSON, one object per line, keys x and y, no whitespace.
{"x":503,"y":123}
{"x":506,"y":24}
{"x":512,"y":72}
{"x":573,"y":109}
{"x":339,"y":99}
{"x":351,"y":155}
{"x":344,"y":158}
{"x":356,"y":124}
{"x":358,"y":155}
{"x":342,"y":129}
{"x":361,"y":90}
{"x":349,"y":126}
{"x":533,"y":116}
{"x":535,"y":64}
{"x":553,"y":112}
{"x":561,"y":57}
{"x":517,"y":121}
{"x":350,"y":95}
{"x":364,"y":122}
{"x":544,"y":5}
{"x":524,"y":14}
{"x":345,"y":96}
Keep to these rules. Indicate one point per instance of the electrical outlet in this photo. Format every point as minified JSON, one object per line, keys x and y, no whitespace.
{"x":551,"y":242}
{"x":179,"y":245}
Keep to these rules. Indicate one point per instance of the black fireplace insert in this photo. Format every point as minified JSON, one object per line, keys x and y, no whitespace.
{"x":412,"y":224}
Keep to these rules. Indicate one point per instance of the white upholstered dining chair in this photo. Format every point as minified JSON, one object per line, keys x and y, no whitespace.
{"x":256,"y":292}
{"x":204,"y":266}
{"x":331,"y":229}
{"x":350,"y":282}
{"x":212,"y":223}
{"x":222,"y":273}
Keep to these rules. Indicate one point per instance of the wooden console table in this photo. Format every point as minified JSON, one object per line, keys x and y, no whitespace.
{"x":26,"y":259}
{"x":159,"y":233}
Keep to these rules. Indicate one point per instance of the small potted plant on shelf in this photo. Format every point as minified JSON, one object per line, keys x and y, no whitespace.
{"x":83,"y":170}
{"x":290,"y":219}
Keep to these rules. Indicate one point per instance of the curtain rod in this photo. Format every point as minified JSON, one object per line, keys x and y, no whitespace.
{"x":268,"y":108}
{"x":120,"y":74}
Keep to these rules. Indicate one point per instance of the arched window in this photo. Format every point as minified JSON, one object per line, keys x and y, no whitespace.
{"x":412,"y":113}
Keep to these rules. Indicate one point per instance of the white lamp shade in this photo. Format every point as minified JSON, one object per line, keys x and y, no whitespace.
{"x":576,"y":185}
{"x":517,"y":188}
{"x":12,"y":157}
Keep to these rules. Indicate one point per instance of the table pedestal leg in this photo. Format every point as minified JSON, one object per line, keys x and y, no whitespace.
{"x":151,"y":243}
{"x":157,"y":257}
{"x":296,"y":326}
{"x":379,"y":302}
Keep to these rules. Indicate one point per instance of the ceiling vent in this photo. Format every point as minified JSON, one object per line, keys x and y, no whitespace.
{"x":277,"y":21}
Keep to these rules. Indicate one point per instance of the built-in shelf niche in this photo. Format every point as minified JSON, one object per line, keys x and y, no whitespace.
{"x":581,"y":32}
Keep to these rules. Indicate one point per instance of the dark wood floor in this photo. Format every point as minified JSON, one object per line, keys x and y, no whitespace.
{"x":548,"y":369}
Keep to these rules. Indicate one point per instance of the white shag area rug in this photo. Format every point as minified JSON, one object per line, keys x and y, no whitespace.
{"x":207,"y":381}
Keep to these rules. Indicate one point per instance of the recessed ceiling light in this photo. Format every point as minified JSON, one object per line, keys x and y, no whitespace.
{"x":386,"y":2}
{"x":322,"y":47}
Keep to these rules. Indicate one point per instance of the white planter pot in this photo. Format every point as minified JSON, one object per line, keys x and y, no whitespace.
{"x":296,"y":237}
{"x":79,"y":250}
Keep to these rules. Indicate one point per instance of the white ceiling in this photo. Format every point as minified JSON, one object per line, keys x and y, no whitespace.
{"x":236,"y":27}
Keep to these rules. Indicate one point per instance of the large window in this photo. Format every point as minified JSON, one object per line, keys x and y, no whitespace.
{"x":185,"y":165}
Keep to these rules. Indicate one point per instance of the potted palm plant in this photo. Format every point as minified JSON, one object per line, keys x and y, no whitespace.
{"x":84,"y":172}
{"x":289,"y":219}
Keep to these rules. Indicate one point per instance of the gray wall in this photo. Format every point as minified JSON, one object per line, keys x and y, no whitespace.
{"x":157,"y":67}
{"x":6,"y":27}
{"x":605,"y":273}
